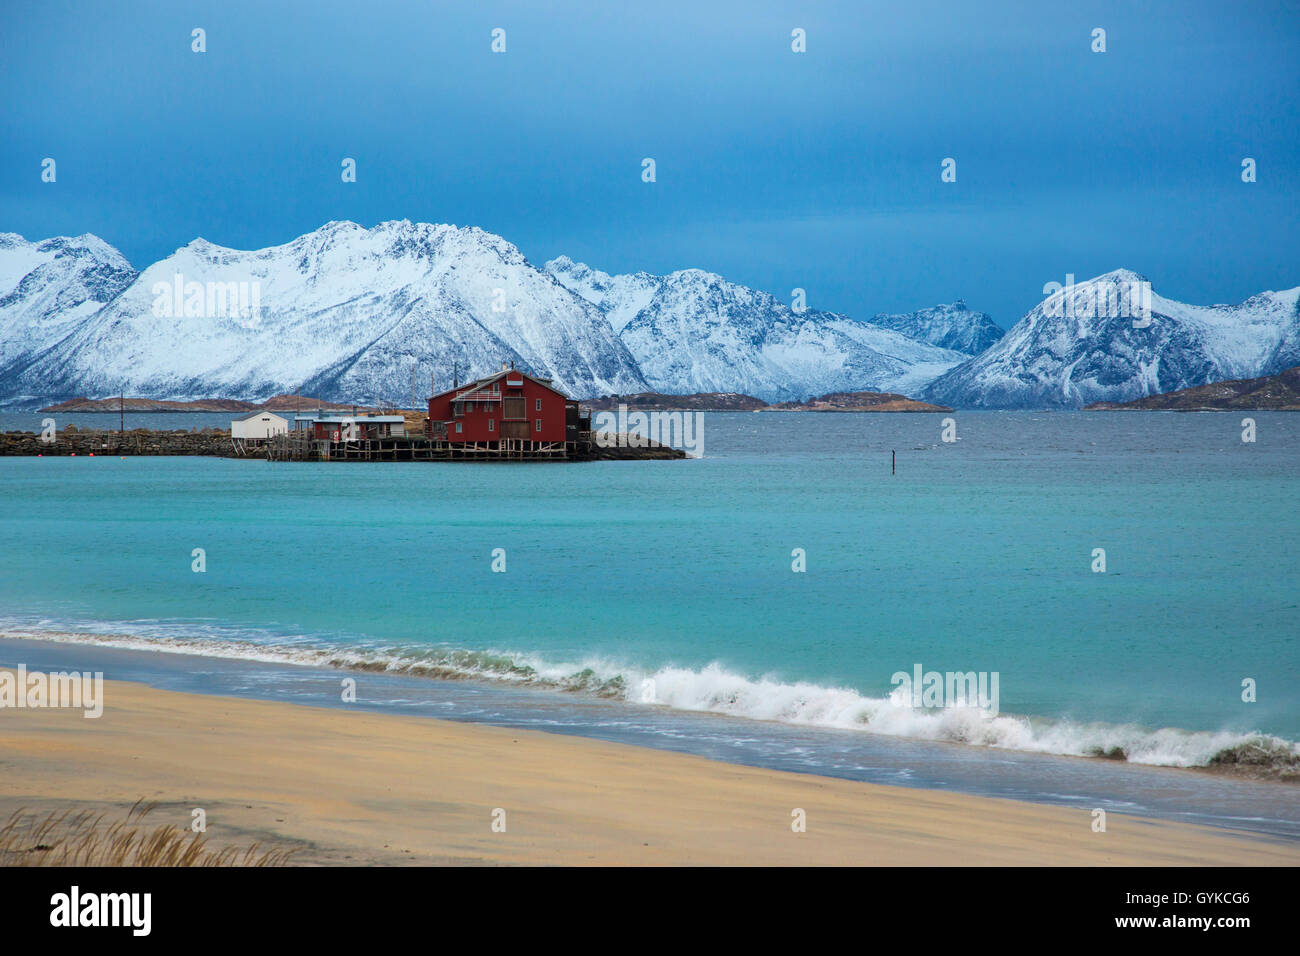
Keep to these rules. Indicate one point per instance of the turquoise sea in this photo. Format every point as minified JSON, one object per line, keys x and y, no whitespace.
{"x":649,"y":600}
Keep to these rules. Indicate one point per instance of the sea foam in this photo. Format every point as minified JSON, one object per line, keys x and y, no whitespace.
{"x":714,"y":689}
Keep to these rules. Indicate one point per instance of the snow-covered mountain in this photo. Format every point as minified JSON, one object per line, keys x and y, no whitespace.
{"x":694,"y":331}
{"x":344,"y":312}
{"x":947,"y":326}
{"x":620,"y":297}
{"x":48,"y":288}
{"x":1077,"y":347}
{"x":347,"y":313}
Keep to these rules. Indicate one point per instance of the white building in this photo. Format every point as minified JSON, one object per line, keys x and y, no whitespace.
{"x":259,"y":426}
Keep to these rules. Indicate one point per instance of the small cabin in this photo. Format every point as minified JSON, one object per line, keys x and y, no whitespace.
{"x":258,"y":426}
{"x":351,"y":427}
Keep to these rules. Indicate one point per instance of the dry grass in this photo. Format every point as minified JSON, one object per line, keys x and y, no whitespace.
{"x":84,"y":839}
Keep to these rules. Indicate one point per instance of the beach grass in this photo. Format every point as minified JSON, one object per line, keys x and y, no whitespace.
{"x":85,"y":838}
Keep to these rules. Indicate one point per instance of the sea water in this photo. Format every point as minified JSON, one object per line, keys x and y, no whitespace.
{"x":649,"y":591}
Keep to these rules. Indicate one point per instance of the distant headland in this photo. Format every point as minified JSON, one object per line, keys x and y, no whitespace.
{"x":737,"y":402}
{"x":276,"y":403}
{"x":1279,"y":393}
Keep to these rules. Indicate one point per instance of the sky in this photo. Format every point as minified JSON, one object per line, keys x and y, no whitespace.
{"x":818,"y":170}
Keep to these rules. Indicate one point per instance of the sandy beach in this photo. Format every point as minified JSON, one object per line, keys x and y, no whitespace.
{"x":341,"y":787}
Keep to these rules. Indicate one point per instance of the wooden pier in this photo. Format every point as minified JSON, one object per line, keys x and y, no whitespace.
{"x":304,"y":447}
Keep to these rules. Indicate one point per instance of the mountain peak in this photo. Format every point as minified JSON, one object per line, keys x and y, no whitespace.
{"x":1104,"y":340}
{"x":1116,"y":276}
{"x":697,"y":277}
{"x":85,"y":245}
{"x":952,"y":326}
{"x":343,"y":311}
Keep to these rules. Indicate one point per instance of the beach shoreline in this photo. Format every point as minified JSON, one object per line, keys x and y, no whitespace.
{"x":1216,"y":796}
{"x":341,"y":786}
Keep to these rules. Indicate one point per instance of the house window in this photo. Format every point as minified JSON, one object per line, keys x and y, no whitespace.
{"x":458,"y":428}
{"x":538,"y":426}
{"x":492,"y":424}
{"x":469,"y":406}
{"x":539,"y":404}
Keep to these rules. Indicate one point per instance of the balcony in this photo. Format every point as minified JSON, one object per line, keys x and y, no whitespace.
{"x":478,"y":395}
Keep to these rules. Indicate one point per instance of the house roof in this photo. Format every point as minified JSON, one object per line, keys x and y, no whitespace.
{"x":343,"y":417}
{"x":495,"y":376}
{"x":259,"y":414}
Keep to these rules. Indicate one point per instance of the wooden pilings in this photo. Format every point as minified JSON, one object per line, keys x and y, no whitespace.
{"x":292,"y":447}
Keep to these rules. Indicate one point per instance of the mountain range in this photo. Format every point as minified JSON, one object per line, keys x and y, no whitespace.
{"x":48,"y":289}
{"x":343,"y":312}
{"x":694,"y":331}
{"x":373,"y":315}
{"x":1068,"y":351}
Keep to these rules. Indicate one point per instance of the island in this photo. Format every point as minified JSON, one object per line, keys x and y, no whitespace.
{"x":659,"y":402}
{"x":276,"y":403}
{"x":858,"y":402}
{"x":1277,"y":393}
{"x":738,"y":402}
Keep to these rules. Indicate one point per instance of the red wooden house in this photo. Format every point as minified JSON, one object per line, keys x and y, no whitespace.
{"x":508,"y":405}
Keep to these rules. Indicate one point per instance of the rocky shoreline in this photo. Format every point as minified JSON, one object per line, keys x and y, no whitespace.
{"x":71,"y":440}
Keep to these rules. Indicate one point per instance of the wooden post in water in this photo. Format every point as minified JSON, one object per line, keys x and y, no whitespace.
{"x":892,"y":469}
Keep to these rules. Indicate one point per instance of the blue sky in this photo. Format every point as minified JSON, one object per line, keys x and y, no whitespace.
{"x":818,"y":170}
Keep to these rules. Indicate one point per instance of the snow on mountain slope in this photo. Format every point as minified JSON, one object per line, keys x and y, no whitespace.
{"x":48,"y":288}
{"x":17,"y":258}
{"x":1069,"y":351}
{"x":947,"y":326}
{"x":620,"y":297}
{"x":701,"y":333}
{"x":693,"y":331}
{"x":345,"y":312}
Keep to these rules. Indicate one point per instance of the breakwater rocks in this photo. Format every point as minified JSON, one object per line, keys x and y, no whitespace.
{"x":72,"y":440}
{"x":620,"y":446}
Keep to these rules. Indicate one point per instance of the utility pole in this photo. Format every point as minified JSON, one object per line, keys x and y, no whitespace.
{"x":121,"y":411}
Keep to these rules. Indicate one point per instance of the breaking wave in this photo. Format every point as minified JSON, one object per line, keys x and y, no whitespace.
{"x":713,"y":689}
